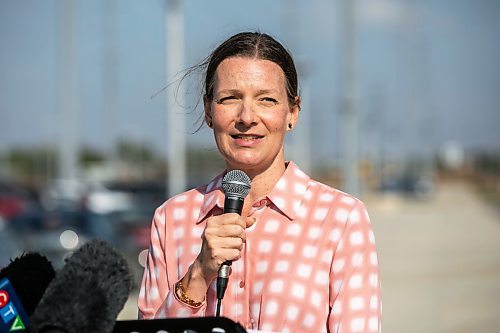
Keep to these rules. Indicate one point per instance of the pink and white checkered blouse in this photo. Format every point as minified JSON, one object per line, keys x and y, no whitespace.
{"x":309,"y":263}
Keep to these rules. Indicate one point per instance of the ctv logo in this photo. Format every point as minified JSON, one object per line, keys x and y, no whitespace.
{"x":4,"y":298}
{"x":11,"y":311}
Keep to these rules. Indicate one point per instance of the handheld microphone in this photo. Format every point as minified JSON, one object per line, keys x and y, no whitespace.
{"x":29,"y":275}
{"x":22,"y":284}
{"x":87,"y":293}
{"x":236,"y":186}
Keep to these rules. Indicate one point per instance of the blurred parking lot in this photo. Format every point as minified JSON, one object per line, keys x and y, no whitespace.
{"x":61,"y":217}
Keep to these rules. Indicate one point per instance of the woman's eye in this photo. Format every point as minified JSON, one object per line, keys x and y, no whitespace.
{"x":225,"y":99}
{"x":269,"y":100}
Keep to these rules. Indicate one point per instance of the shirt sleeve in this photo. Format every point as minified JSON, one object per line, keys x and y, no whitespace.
{"x":157,"y":298}
{"x":354,"y":278}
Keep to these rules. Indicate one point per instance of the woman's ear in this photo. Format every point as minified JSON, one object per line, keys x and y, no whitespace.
{"x":208,"y":111}
{"x":294,"y":113}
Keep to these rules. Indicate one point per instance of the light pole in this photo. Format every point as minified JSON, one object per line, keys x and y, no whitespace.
{"x":349,"y":115}
{"x":174,"y":54}
{"x":68,"y":93}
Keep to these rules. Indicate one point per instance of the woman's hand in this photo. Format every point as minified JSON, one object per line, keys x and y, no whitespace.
{"x":222,"y":240}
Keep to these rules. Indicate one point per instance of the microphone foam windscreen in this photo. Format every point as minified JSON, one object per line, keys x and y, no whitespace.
{"x":87,"y":294}
{"x":29,"y":274}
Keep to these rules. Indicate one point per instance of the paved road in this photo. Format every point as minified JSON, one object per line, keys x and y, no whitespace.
{"x":440,"y":263}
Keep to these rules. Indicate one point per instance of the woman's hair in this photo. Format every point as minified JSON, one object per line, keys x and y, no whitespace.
{"x":244,"y":44}
{"x":252,"y":45}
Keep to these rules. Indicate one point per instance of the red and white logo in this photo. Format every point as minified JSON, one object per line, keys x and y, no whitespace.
{"x":4,"y":298}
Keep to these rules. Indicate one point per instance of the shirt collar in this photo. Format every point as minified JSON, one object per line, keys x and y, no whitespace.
{"x":287,"y":195}
{"x":213,"y":197}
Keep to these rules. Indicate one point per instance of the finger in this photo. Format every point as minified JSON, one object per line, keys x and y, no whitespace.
{"x":250,"y":221}
{"x":215,"y":243}
{"x":230,"y":218}
{"x":229,"y":230}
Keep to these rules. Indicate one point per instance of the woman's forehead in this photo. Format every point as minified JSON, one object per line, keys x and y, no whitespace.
{"x":240,"y":72}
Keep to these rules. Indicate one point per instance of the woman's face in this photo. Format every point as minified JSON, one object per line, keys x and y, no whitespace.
{"x":250,"y":113}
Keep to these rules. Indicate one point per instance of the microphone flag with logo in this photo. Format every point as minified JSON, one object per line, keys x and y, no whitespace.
{"x":22,"y":284}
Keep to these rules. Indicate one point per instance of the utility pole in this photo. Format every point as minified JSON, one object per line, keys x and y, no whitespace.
{"x":174,"y":34}
{"x":68,"y":93}
{"x":110,"y":83}
{"x":349,"y":115}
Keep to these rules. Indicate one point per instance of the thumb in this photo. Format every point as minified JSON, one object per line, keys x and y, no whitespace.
{"x":250,"y":221}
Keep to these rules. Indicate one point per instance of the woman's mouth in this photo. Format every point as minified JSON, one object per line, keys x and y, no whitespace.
{"x":246,"y":140}
{"x":246,"y":136}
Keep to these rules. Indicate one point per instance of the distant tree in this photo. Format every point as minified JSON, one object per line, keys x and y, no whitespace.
{"x":33,"y":165}
{"x":487,"y":162}
{"x":89,"y":156}
{"x":129,"y":151}
{"x":203,"y":163}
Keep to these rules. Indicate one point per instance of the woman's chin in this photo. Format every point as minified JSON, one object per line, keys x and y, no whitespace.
{"x":246,"y":163}
{"x":250,"y":164}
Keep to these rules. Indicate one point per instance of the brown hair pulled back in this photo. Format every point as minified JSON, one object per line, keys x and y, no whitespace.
{"x":253,"y":45}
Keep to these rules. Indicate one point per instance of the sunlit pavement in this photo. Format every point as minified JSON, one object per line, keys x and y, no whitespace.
{"x":130,"y":309}
{"x":440,"y":262}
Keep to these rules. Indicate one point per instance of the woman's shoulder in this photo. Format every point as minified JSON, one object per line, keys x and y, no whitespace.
{"x":187,"y":198}
{"x":331,"y":193}
{"x":322,"y":190}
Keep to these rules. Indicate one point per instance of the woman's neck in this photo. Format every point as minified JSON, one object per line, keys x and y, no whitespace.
{"x":263,"y":181}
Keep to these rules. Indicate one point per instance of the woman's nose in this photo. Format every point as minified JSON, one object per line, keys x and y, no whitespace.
{"x":247,"y":114}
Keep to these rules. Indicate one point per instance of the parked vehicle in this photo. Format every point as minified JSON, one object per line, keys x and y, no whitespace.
{"x":121,"y":213}
{"x":418,"y":186}
{"x":15,"y":199}
{"x":72,"y":212}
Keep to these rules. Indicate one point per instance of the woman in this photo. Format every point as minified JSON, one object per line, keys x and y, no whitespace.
{"x":304,"y":257}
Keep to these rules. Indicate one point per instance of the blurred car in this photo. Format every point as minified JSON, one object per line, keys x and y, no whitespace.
{"x":55,"y":234}
{"x":26,"y":226}
{"x":9,"y":245}
{"x":418,"y":186}
{"x":63,"y":195}
{"x":70,"y":213}
{"x":15,"y":199}
{"x":121,"y":213}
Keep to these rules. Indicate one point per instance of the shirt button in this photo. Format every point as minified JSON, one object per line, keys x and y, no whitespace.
{"x":242,"y":284}
{"x":261,"y":203}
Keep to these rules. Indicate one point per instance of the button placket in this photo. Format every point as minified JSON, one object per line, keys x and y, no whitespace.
{"x":243,"y":284}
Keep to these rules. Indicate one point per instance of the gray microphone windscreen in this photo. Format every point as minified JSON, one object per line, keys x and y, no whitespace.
{"x":236,"y":183}
{"x":87,"y":294}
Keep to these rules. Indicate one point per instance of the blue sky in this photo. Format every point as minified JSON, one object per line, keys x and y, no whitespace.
{"x":427,"y":71}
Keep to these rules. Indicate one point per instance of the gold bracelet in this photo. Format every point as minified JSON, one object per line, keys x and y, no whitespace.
{"x":181,"y":294}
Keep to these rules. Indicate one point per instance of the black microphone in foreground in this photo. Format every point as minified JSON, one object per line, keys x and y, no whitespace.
{"x":29,"y":274}
{"x":236,"y":186}
{"x":179,"y":325}
{"x":87,"y":294}
{"x":22,"y":284}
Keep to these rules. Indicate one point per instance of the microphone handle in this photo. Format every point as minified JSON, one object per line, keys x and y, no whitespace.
{"x":232,"y":204}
